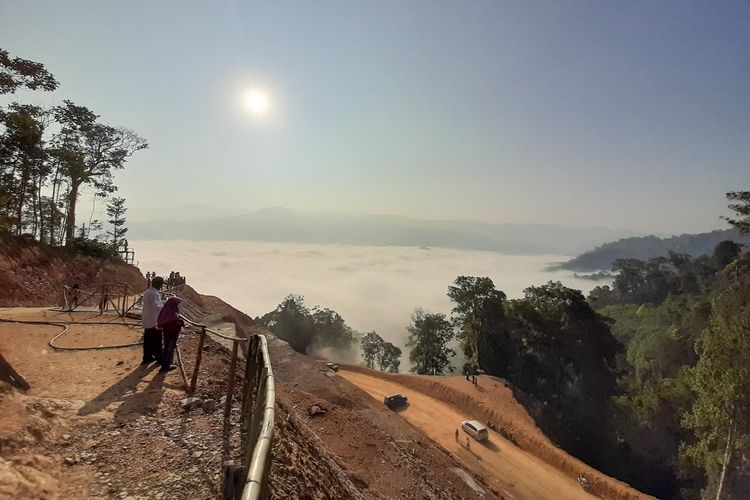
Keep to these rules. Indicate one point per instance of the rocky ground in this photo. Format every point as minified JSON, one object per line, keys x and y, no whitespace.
{"x":122,"y":431}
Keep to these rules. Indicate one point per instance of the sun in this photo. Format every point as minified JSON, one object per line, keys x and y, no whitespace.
{"x":256,"y":101}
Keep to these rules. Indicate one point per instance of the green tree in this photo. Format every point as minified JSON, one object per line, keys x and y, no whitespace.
{"x":720,"y":416}
{"x":740,"y":204}
{"x":330,"y":330}
{"x":291,"y":321}
{"x":16,"y":73}
{"x":638,"y":282}
{"x":23,"y":168}
{"x":478,"y":315}
{"x":89,"y":153}
{"x":567,"y":359}
{"x":390,"y":358}
{"x":377,"y":352}
{"x":372,"y":347}
{"x":116,"y":211}
{"x":429,"y":335}
{"x":308,"y":330}
{"x":571,"y":340}
{"x":725,"y":252}
{"x":601,"y":296}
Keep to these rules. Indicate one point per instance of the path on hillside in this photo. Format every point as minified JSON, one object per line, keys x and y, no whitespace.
{"x":515,"y":472}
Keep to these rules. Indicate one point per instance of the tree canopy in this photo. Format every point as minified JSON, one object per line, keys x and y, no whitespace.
{"x":89,"y":152}
{"x":16,"y":73}
{"x":48,"y":155}
{"x":429,"y":335}
{"x":377,"y":353}
{"x":308,"y":330}
{"x":720,"y":415}
{"x":740,"y":204}
{"x":479,"y":317}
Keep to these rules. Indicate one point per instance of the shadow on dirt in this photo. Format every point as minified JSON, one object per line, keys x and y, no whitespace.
{"x":490,"y":445}
{"x":125,"y":390}
{"x":145,"y":402}
{"x":399,"y":409}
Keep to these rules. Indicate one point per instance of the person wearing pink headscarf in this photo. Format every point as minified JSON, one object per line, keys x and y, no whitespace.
{"x":171,"y":324}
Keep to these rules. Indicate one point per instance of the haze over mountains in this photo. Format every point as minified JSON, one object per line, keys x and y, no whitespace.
{"x":283,"y":225}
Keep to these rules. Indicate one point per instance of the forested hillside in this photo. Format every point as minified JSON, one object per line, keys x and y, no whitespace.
{"x":649,"y":247}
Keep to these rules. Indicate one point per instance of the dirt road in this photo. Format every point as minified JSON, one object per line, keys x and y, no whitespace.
{"x":515,"y":473}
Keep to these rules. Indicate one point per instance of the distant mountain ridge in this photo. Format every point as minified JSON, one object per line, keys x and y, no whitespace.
{"x":283,"y":225}
{"x":649,"y":247}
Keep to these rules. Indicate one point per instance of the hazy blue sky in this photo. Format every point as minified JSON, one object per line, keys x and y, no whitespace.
{"x":622,"y":114}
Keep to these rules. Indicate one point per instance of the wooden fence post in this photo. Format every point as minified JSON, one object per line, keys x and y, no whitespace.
{"x":182,"y":369}
{"x":11,"y":376}
{"x":230,"y":384}
{"x":198,"y":357}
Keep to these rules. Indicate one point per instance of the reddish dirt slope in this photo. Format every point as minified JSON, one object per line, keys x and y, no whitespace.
{"x":380,"y":452}
{"x":33,"y":275}
{"x":492,"y":402}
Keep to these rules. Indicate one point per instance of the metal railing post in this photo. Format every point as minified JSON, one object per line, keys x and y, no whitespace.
{"x":257,"y":417}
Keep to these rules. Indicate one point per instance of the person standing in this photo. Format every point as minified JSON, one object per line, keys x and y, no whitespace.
{"x":152,"y":306}
{"x":171,"y":324}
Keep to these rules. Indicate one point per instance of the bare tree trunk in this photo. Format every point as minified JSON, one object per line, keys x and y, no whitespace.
{"x":21,"y":198}
{"x":39,"y":210}
{"x":34,"y":207}
{"x":52,"y":220}
{"x":70,"y":220}
{"x":11,"y":186}
{"x":53,"y":206}
{"x":727,"y":458}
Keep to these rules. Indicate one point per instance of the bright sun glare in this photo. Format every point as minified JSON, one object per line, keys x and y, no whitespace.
{"x":256,"y":101}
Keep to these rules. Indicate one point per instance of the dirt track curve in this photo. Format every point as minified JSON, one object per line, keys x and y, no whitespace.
{"x":513,"y":471}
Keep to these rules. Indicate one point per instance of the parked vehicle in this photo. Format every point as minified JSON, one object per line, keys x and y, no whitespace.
{"x":475,"y":429}
{"x":394,"y":401}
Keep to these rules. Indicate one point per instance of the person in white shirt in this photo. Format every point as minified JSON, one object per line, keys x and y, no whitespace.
{"x":151,"y":308}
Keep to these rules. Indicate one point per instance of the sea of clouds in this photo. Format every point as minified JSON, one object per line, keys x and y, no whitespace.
{"x":373,"y":288}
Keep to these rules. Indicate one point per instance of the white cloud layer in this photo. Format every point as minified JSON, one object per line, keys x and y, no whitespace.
{"x":373,"y":288}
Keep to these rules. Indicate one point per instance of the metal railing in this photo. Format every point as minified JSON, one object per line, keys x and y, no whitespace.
{"x":257,"y":425}
{"x":257,"y":414}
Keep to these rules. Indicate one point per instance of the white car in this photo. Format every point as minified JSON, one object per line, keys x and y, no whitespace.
{"x":475,"y":430}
